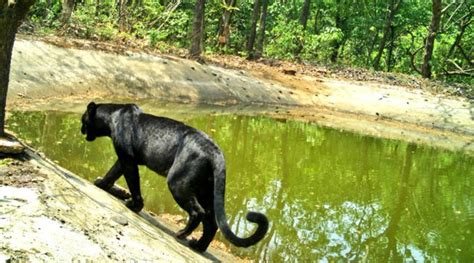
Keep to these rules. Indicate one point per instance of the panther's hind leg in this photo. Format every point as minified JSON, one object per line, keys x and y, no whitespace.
{"x":209,"y":231}
{"x":195,"y":213}
{"x":181,"y":182}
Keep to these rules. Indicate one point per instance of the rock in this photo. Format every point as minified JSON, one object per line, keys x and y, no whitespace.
{"x":10,"y":146}
{"x":291,"y":72}
{"x":121,"y":220}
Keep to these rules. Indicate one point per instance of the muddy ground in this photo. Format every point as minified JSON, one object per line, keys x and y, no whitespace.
{"x":40,"y":198}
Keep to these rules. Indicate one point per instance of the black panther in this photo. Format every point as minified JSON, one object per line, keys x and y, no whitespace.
{"x":192,"y":163}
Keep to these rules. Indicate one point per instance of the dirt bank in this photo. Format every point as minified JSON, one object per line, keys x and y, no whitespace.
{"x":40,"y":70}
{"x":46,"y":76}
{"x":51,"y":215}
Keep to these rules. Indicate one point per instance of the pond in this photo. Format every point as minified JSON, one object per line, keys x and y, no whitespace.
{"x":329,"y":194}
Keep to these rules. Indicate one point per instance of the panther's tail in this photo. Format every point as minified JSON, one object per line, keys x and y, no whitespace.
{"x":218,"y":165}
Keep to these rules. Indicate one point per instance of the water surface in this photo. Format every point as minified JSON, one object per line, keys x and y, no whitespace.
{"x":329,"y":194}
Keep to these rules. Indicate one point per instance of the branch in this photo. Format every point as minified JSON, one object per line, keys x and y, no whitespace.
{"x":412,"y":60}
{"x":460,"y":71}
{"x":446,"y":8}
{"x":412,"y":55}
{"x":466,"y":57}
{"x":464,"y":20}
{"x":452,"y":15}
{"x":168,"y":11}
{"x":455,"y":64}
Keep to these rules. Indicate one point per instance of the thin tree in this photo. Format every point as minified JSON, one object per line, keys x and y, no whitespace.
{"x":463,"y":23}
{"x":316,"y":21}
{"x":66,"y":12}
{"x":391,"y":46}
{"x":197,"y":34}
{"x":337,"y":43}
{"x":122,"y":7}
{"x":253,"y":29}
{"x":304,"y":22}
{"x":97,"y":7}
{"x":305,"y":13}
{"x":394,"y":7}
{"x":262,"y":28}
{"x":430,"y":40}
{"x":12,"y":13}
{"x":224,"y":25}
{"x":340,"y":19}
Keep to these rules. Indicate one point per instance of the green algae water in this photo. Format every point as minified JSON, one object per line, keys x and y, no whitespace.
{"x":329,"y":195}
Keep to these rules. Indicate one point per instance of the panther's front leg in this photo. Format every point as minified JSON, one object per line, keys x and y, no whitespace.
{"x":107,"y":183}
{"x":133,"y":181}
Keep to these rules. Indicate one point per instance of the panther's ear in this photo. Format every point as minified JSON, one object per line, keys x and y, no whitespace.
{"x":91,"y":106}
{"x":91,"y":109}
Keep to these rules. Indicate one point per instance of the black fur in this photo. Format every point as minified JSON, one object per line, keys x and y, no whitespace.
{"x":193,"y":164}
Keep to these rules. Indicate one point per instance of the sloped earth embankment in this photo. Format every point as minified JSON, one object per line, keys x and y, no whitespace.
{"x":40,"y":70}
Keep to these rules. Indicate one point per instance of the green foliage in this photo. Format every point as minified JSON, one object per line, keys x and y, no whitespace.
{"x":155,"y":37}
{"x":343,"y":31}
{"x":285,"y":39}
{"x":177,"y":27}
{"x":318,"y":47}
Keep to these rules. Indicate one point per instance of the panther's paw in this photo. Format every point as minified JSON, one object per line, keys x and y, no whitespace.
{"x":118,"y":192}
{"x":134,"y":205}
{"x":196,"y":245}
{"x":180,"y":235}
{"x":99,"y":182}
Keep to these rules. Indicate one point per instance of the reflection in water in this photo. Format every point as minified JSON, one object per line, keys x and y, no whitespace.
{"x":329,"y":194}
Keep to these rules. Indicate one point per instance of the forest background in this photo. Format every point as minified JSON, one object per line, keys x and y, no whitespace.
{"x":434,"y":39}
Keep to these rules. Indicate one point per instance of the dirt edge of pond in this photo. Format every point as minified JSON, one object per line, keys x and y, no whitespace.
{"x":51,"y":214}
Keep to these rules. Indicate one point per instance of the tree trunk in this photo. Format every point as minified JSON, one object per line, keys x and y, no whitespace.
{"x":67,"y":8}
{"x":198,"y":30}
{"x":253,"y":29}
{"x":305,"y":14}
{"x":97,"y":7}
{"x":122,"y":20}
{"x":137,"y":3}
{"x":316,"y":24}
{"x":388,"y":24}
{"x":434,"y":27}
{"x":463,"y":24}
{"x":370,"y":49}
{"x":337,"y":43}
{"x":49,"y":6}
{"x":304,"y":22}
{"x":390,"y":48}
{"x":261,"y":34}
{"x":11,"y":16}
{"x":224,"y":28}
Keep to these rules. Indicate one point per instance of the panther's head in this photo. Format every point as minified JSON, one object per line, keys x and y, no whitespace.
{"x":88,"y":119}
